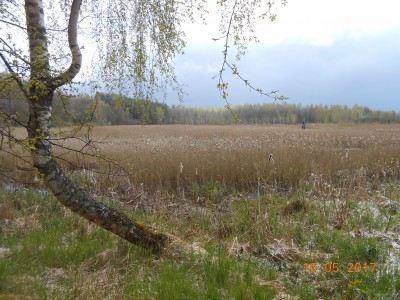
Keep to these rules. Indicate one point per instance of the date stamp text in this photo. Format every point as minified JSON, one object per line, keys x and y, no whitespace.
{"x":334,"y":267}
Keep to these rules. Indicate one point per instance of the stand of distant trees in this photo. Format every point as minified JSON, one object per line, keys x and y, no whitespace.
{"x":113,"y":109}
{"x":278,"y":113}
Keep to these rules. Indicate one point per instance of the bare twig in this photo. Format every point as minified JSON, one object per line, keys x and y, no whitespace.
{"x":222,"y":85}
{"x":14,"y":75}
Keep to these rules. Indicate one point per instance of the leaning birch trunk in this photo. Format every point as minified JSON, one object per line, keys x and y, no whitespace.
{"x":40,"y":95}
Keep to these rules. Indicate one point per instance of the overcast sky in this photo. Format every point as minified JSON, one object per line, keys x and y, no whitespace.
{"x":316,"y":52}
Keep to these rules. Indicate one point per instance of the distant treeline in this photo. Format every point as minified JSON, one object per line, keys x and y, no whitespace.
{"x":278,"y":113}
{"x":112,"y":109}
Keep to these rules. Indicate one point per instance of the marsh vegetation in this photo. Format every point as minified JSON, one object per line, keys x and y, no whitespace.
{"x":329,"y":198}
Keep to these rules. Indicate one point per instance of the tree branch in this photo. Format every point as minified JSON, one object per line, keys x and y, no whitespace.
{"x":222,"y":85}
{"x":14,"y":75}
{"x":76,"y":62}
{"x":13,"y":24}
{"x":13,"y":52}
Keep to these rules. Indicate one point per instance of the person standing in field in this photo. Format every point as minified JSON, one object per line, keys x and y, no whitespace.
{"x":303,"y":124}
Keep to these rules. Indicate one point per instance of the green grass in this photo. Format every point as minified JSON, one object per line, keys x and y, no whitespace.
{"x":256,"y":247}
{"x":218,"y":276}
{"x":62,"y":241}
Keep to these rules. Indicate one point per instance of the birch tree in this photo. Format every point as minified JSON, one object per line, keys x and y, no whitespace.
{"x":136,"y":43}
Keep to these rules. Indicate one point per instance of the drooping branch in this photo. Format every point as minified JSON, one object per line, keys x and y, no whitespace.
{"x":222,"y":85}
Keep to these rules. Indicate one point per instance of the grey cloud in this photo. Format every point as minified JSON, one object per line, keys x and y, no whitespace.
{"x":363,"y":70}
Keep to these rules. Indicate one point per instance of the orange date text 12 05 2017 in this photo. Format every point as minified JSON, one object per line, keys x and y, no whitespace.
{"x":334,"y":267}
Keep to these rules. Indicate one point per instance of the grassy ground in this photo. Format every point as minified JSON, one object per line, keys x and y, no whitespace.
{"x":318,"y":222}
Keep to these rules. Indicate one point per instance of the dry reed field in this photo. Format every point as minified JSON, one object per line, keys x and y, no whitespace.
{"x":202,"y":163}
{"x":171,"y":158}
